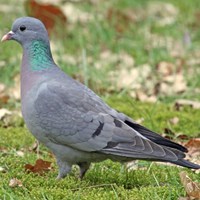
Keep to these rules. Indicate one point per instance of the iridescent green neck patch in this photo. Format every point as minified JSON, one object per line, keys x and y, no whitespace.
{"x":40,"y":56}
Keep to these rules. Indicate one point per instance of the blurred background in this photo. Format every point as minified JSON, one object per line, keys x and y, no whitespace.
{"x":146,"y":49}
{"x":126,"y":51}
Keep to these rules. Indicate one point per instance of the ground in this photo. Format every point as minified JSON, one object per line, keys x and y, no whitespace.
{"x":140,"y":57}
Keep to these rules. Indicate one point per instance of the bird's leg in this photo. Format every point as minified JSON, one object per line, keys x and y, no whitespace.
{"x":64,"y":169}
{"x":84,"y":166}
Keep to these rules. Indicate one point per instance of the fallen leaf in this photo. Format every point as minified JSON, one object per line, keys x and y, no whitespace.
{"x":119,"y":19}
{"x":174,"y":120}
{"x":40,"y":167}
{"x":51,"y":15}
{"x":133,"y":165}
{"x":163,"y":13}
{"x":193,"y":145}
{"x":168,"y":133}
{"x":14,"y":92}
{"x":165,"y":68}
{"x":2,"y":87}
{"x":34,"y":147}
{"x":20,"y":153}
{"x":2,"y":169}
{"x":183,"y":102}
{"x":14,"y":182}
{"x":139,"y":121}
{"x":182,"y":136}
{"x":141,"y":96}
{"x":192,"y":188}
{"x":75,"y":15}
{"x":4,"y":112}
{"x":184,"y":198}
{"x":3,"y":96}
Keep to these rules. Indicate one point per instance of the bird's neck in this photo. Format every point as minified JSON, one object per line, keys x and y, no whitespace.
{"x":38,"y":54}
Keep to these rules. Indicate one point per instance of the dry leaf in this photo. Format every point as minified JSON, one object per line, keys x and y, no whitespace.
{"x":184,"y":198}
{"x":2,"y":169}
{"x":14,"y":182}
{"x":51,"y":15}
{"x":163,"y":13}
{"x":120,"y":20}
{"x":4,"y":112}
{"x":193,"y":146}
{"x":165,"y":68}
{"x":75,"y":15}
{"x":2,"y":87}
{"x":192,"y":189}
{"x":139,"y":121}
{"x":20,"y":153}
{"x":140,"y":95}
{"x":14,"y":91}
{"x":40,"y":166}
{"x":183,"y":102}
{"x":3,"y":97}
{"x":174,"y":120}
{"x":182,"y":136}
{"x":34,"y":147}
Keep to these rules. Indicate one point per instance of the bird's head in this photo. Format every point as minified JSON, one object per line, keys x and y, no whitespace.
{"x":25,"y":30}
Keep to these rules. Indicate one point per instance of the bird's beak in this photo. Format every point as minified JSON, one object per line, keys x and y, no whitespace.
{"x":7,"y":36}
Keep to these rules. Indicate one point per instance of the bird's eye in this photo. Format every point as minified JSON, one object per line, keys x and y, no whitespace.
{"x":22,"y":28}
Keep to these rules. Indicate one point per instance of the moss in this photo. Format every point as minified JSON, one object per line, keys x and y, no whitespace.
{"x":104,"y":180}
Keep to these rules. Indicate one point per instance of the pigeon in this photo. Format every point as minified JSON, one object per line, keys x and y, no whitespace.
{"x":74,"y":122}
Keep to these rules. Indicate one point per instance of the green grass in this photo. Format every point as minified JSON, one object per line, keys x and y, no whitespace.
{"x":97,"y":35}
{"x":106,"y":180}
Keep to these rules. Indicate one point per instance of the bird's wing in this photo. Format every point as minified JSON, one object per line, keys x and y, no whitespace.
{"x":72,"y":115}
{"x":76,"y":118}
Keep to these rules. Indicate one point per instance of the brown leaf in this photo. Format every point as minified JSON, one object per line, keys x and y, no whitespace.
{"x":40,"y":167}
{"x":192,"y":188}
{"x":14,"y":182}
{"x":182,"y":137}
{"x":120,"y":20}
{"x":3,"y":97}
{"x":168,"y":131}
{"x":193,"y":145}
{"x":183,"y":102}
{"x":165,"y":68}
{"x":49,"y":14}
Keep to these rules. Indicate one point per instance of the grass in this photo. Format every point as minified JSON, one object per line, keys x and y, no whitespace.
{"x":106,"y":180}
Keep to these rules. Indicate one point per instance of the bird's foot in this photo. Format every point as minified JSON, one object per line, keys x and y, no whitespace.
{"x":64,"y":169}
{"x":84,"y":166}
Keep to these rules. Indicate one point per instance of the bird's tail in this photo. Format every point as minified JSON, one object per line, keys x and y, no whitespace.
{"x":186,"y":163}
{"x":129,"y":151}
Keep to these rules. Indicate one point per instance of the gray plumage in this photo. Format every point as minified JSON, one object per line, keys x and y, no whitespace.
{"x":71,"y":120}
